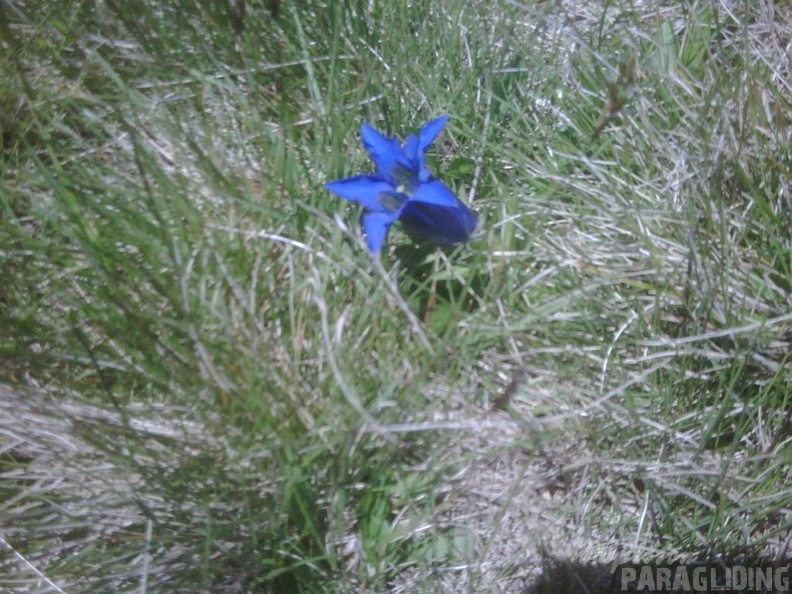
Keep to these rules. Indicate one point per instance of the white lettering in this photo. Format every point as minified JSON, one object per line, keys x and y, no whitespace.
{"x":763,"y":579}
{"x":681,"y":581}
{"x":663,"y":579}
{"x":781,"y":581}
{"x":700,"y":579}
{"x":677,"y":579}
{"x":646,"y":580}
{"x":739,"y":578}
{"x":627,"y":577}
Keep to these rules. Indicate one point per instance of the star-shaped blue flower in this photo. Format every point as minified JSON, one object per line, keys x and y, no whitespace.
{"x":404,"y":190}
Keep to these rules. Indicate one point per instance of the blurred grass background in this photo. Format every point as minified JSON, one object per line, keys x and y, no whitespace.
{"x":209,"y":386}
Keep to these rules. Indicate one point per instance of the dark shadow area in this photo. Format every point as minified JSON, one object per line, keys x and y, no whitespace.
{"x":434,"y":294}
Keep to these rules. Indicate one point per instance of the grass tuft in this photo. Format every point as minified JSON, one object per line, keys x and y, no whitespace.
{"x":208,"y":385}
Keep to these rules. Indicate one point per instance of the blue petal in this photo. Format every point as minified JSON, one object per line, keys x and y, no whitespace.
{"x":376,"y":225}
{"x":438,"y":224}
{"x":429,"y":132}
{"x":386,"y":153}
{"x":411,"y":150}
{"x":438,"y":216}
{"x":437,"y":193}
{"x":426,"y":137}
{"x":367,"y":190}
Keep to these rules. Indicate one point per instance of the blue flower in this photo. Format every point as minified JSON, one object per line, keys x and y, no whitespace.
{"x":404,"y":190}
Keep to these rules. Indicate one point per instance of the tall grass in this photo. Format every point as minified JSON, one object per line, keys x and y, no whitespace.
{"x":208,"y":385}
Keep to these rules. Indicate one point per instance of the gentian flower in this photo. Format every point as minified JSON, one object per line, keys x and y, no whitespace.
{"x":403,"y":189}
